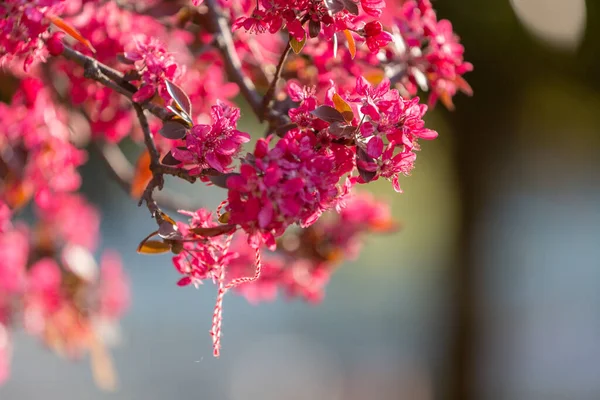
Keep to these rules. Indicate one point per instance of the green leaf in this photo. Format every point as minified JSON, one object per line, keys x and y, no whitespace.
{"x":296,"y":45}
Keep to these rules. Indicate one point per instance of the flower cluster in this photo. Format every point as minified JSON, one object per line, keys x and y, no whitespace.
{"x":349,"y":116}
{"x":432,"y":51}
{"x":24,"y":28}
{"x":213,"y":146}
{"x":381,"y":127}
{"x":52,"y":287}
{"x":37,"y":157}
{"x":311,"y":18}
{"x":153,"y":65}
{"x":294,"y":182}
{"x":49,"y":281}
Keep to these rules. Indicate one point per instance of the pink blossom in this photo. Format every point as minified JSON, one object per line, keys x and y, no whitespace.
{"x":70,"y":218}
{"x":376,"y":37}
{"x":214,"y":146}
{"x":24,"y":28}
{"x":154,"y":65}
{"x":114,"y":287}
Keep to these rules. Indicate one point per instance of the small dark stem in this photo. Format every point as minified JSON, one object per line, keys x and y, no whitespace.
{"x":233,"y":65}
{"x":122,"y":172}
{"x":111,"y":78}
{"x":268,"y":99}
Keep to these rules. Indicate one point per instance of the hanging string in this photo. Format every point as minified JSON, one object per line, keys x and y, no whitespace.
{"x":248,"y":279}
{"x":220,"y":207}
{"x":217,"y":319}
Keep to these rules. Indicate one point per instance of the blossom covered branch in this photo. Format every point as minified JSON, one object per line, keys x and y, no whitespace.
{"x":347,"y":115}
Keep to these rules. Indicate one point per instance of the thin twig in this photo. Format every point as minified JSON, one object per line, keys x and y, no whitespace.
{"x":268,"y":99}
{"x":233,"y":65}
{"x":122,"y":172}
{"x":111,"y":78}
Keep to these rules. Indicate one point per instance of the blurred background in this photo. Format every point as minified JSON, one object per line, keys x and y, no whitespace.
{"x":490,"y":291}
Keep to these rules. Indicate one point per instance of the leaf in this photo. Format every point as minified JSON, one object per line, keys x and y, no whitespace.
{"x":168,"y":159}
{"x":351,"y":43}
{"x":141,"y":176}
{"x":180,"y":117}
{"x":154,"y":247}
{"x":124,"y":60}
{"x":213,"y":231}
{"x":328,"y":114}
{"x":374,"y":77}
{"x":168,"y":230}
{"x":341,"y":130}
{"x":366,"y":175}
{"x":71,"y":31}
{"x":132,"y":75}
{"x":343,"y":107}
{"x":296,"y":45}
{"x":224,"y":218}
{"x":351,"y":6}
{"x":334,"y":6}
{"x":182,"y":101}
{"x":314,"y":28}
{"x":166,"y":217}
{"x":221,"y":180}
{"x":283,"y":129}
{"x":173,"y":130}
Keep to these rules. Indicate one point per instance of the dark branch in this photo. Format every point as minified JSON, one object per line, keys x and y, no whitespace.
{"x":233,"y":65}
{"x":268,"y":99}
{"x":122,"y":172}
{"x":111,"y":78}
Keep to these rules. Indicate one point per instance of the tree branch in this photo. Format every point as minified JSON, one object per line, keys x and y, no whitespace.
{"x":224,"y":43}
{"x":122,"y":172}
{"x":268,"y":99}
{"x":111,"y":78}
{"x":233,"y":65}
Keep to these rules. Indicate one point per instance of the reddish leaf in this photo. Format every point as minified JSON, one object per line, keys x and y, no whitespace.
{"x":351,"y":6}
{"x":122,"y":59}
{"x":334,"y":6}
{"x":71,"y":31}
{"x":142,"y":175}
{"x":213,"y":231}
{"x":169,"y":231}
{"x":181,"y":99}
{"x":221,"y":180}
{"x":168,"y":159}
{"x":343,"y":107}
{"x":173,"y":130}
{"x":328,"y":114}
{"x":351,"y":43}
{"x":314,"y":28}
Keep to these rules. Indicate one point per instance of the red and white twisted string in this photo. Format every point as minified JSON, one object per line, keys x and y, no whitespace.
{"x":215,"y":330}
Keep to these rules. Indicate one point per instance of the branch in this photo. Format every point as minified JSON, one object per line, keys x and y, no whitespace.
{"x":122,"y":172}
{"x":233,"y":65}
{"x":111,"y":78}
{"x":224,"y":43}
{"x":158,"y":170}
{"x":268,"y":99}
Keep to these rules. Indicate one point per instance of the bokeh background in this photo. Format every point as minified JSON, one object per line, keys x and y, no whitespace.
{"x":490,"y":291}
